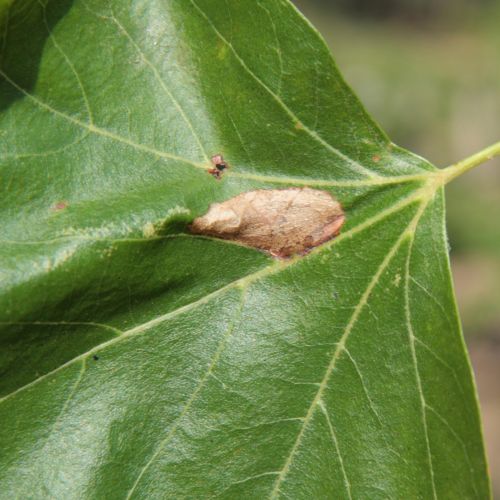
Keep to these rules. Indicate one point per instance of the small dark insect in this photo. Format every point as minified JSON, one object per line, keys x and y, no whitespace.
{"x":95,"y":358}
{"x":219,"y":165}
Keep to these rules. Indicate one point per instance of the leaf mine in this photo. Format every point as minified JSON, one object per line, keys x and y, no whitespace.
{"x":283,"y":222}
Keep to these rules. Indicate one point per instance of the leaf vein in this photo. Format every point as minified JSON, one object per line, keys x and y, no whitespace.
{"x":276,"y":267}
{"x":363,"y":385}
{"x":199,"y":387}
{"x":347,"y":483}
{"x":354,"y":165}
{"x":163,"y":85}
{"x":338,"y":351}
{"x":371,"y":181}
{"x":411,"y":339}
{"x":68,"y":62}
{"x":433,"y":298}
{"x":277,"y":47}
{"x":116,"y":331}
{"x":442,"y":361}
{"x":459,"y":440}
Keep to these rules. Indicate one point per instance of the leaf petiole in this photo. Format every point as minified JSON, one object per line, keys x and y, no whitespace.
{"x":457,"y":169}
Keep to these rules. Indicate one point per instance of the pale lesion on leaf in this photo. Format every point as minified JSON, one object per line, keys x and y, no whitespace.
{"x":282,"y":222}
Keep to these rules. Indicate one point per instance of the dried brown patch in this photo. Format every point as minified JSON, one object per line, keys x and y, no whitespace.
{"x":376,"y":158}
{"x":282,"y":222}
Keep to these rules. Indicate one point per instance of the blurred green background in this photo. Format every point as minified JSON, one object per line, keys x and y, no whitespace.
{"x":428,"y":71}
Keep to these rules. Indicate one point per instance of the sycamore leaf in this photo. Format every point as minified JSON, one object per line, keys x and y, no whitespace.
{"x":141,"y":361}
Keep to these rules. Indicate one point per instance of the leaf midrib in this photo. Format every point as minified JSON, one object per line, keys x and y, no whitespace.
{"x":377,"y":180}
{"x":408,"y":233}
{"x":277,"y":266}
{"x":371,"y":178}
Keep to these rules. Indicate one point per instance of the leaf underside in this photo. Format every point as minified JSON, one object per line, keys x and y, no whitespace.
{"x":141,"y":361}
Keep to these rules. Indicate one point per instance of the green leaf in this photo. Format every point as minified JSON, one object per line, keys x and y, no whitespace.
{"x":141,"y":361}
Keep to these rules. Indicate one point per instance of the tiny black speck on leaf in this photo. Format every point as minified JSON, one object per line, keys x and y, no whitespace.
{"x":95,"y":358}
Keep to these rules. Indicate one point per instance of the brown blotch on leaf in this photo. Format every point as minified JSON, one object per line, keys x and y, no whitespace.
{"x":376,"y":158}
{"x":283,"y":222}
{"x":60,"y":205}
